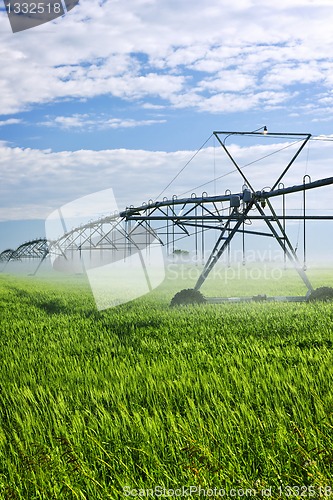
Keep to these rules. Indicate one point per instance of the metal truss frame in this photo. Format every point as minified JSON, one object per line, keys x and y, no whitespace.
{"x":34,"y":249}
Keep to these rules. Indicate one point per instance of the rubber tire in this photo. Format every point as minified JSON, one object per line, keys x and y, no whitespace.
{"x":187,"y":297}
{"x":323,"y":293}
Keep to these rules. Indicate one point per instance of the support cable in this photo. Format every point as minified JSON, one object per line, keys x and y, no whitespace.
{"x":183,"y":168}
{"x":241,"y":168}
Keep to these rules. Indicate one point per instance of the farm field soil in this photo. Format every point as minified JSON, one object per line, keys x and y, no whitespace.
{"x":98,"y":405}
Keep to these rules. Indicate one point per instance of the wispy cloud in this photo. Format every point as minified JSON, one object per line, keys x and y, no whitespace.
{"x":10,"y":121}
{"x":35,"y":182}
{"x":90,"y":122}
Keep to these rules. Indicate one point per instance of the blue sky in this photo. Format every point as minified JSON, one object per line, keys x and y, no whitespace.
{"x":121,"y":94}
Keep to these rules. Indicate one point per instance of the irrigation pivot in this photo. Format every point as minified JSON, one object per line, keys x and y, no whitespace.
{"x":199,"y":214}
{"x":169,"y":220}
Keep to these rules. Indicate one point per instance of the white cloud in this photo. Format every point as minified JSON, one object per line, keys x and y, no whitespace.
{"x":184,"y":53}
{"x":295,"y":73}
{"x":35,"y":182}
{"x":91,"y":122}
{"x":10,"y":121}
{"x":231,"y":102}
{"x":229,"y":80}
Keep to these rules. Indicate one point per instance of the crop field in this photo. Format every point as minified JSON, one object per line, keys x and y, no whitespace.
{"x":125,"y":402}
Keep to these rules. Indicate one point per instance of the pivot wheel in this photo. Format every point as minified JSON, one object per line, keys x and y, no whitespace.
{"x":323,"y":293}
{"x":187,"y":297}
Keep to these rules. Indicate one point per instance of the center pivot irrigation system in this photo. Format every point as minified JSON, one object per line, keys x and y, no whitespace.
{"x":170,"y":220}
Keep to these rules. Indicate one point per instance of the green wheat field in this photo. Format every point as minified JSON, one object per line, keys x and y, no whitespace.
{"x":106,"y":405}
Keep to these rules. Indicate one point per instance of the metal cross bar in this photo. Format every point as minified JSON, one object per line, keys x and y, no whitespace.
{"x":234,"y":162}
{"x":218,"y":251}
{"x":277,"y":182}
{"x":220,"y":218}
{"x":291,"y":254}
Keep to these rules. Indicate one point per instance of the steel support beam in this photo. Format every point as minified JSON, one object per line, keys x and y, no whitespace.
{"x":218,"y":252}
